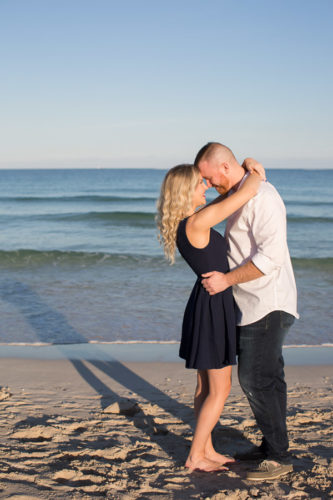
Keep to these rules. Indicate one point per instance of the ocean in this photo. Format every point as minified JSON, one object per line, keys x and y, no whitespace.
{"x":80,"y":261}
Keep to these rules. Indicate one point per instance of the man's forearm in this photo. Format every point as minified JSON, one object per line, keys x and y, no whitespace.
{"x":244,"y":273}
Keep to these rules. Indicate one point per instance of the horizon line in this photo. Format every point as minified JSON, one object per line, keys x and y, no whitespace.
{"x":147,"y":168}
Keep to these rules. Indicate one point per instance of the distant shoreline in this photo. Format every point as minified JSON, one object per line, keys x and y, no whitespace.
{"x":322,"y":169}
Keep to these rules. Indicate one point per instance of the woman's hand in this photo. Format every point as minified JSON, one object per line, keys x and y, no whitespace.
{"x":254,"y":166}
{"x":252,"y":183}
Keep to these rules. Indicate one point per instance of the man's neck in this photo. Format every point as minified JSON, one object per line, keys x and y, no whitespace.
{"x":241,"y":173}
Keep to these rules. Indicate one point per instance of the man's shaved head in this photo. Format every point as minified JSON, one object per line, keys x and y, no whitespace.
{"x":218,"y":165}
{"x":212,"y":150}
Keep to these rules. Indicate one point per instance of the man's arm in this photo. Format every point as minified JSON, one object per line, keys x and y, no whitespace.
{"x":268,"y":225}
{"x":215,"y":282}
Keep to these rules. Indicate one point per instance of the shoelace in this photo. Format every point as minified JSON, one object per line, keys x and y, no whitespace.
{"x":265,"y":465}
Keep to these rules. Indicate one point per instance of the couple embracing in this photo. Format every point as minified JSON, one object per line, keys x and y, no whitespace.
{"x":243,"y":301}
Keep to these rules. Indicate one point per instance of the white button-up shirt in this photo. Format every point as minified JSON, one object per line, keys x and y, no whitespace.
{"x":258,"y":232}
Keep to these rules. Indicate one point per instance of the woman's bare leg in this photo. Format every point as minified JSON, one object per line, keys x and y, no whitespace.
{"x":208,"y":410}
{"x":209,"y":449}
{"x":201,"y":392}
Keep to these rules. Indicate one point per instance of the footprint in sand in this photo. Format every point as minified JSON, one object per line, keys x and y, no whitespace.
{"x":77,"y":478}
{"x":23,"y":497}
{"x":75,"y":428}
{"x":36,"y":433}
{"x":4,"y":393}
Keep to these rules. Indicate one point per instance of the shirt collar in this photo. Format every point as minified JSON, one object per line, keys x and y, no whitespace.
{"x":240,"y":184}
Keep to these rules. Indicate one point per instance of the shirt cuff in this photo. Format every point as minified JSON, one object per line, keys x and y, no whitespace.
{"x":264,"y":264}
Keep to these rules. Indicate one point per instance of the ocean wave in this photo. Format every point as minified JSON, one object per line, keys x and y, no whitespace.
{"x":296,"y":219}
{"x":76,"y":198}
{"x":292,"y":346}
{"x":35,"y":258}
{"x":132,"y":198}
{"x":320,"y":264}
{"x":121,"y":218}
{"x":116,"y":218}
{"x":30,"y":257}
{"x":306,"y":202}
{"x":130,"y":218}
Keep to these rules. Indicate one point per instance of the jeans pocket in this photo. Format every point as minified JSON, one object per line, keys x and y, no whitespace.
{"x":254,"y":329}
{"x":286,"y":319}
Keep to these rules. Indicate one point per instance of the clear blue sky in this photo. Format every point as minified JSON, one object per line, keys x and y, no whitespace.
{"x":148,"y":82}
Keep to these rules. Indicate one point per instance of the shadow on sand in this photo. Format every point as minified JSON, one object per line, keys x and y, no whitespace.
{"x":50,"y":325}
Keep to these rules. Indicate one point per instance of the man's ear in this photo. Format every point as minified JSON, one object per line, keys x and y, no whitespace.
{"x":225,"y":167}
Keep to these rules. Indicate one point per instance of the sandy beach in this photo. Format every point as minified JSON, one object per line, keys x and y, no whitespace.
{"x":78,"y":428}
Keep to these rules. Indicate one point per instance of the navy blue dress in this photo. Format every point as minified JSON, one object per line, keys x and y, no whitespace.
{"x":209,"y":326}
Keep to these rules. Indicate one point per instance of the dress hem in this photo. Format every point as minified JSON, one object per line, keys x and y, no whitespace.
{"x":222,"y":365}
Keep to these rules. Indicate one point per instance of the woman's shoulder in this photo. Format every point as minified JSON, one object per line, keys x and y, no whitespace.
{"x":181,"y":237}
{"x":215,"y":238}
{"x":181,"y":226}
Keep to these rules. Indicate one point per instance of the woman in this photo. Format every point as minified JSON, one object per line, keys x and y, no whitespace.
{"x":208,"y":341}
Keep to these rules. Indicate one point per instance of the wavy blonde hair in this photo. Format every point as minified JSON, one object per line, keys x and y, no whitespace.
{"x":174,"y":204}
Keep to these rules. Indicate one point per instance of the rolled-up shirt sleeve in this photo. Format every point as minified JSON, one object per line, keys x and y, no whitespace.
{"x":267,"y":220}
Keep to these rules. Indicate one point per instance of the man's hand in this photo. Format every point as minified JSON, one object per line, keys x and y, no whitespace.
{"x":215,"y":282}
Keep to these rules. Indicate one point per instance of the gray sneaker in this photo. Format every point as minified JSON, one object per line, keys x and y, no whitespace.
{"x":268,"y":469}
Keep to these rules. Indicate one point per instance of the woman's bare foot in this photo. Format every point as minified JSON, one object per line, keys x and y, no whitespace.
{"x":218,"y":457}
{"x":203,"y":464}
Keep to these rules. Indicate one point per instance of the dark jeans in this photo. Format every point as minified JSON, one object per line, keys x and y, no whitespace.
{"x":261,"y":376}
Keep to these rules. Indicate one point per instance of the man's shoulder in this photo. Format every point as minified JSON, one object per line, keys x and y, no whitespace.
{"x":267,"y":192}
{"x":267,"y":199}
{"x":267,"y":188}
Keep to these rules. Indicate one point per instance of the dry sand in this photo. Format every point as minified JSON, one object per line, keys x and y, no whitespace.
{"x":97,"y":429}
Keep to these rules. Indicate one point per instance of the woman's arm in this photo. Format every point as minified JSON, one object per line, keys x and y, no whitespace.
{"x":252,"y":165}
{"x":211,"y":215}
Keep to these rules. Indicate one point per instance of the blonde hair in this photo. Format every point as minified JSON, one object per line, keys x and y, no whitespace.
{"x":174,"y":204}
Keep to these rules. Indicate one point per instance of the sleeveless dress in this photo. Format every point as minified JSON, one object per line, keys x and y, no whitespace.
{"x":209,"y":325}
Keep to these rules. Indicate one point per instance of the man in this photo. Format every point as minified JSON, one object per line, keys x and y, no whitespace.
{"x":265,"y":294}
